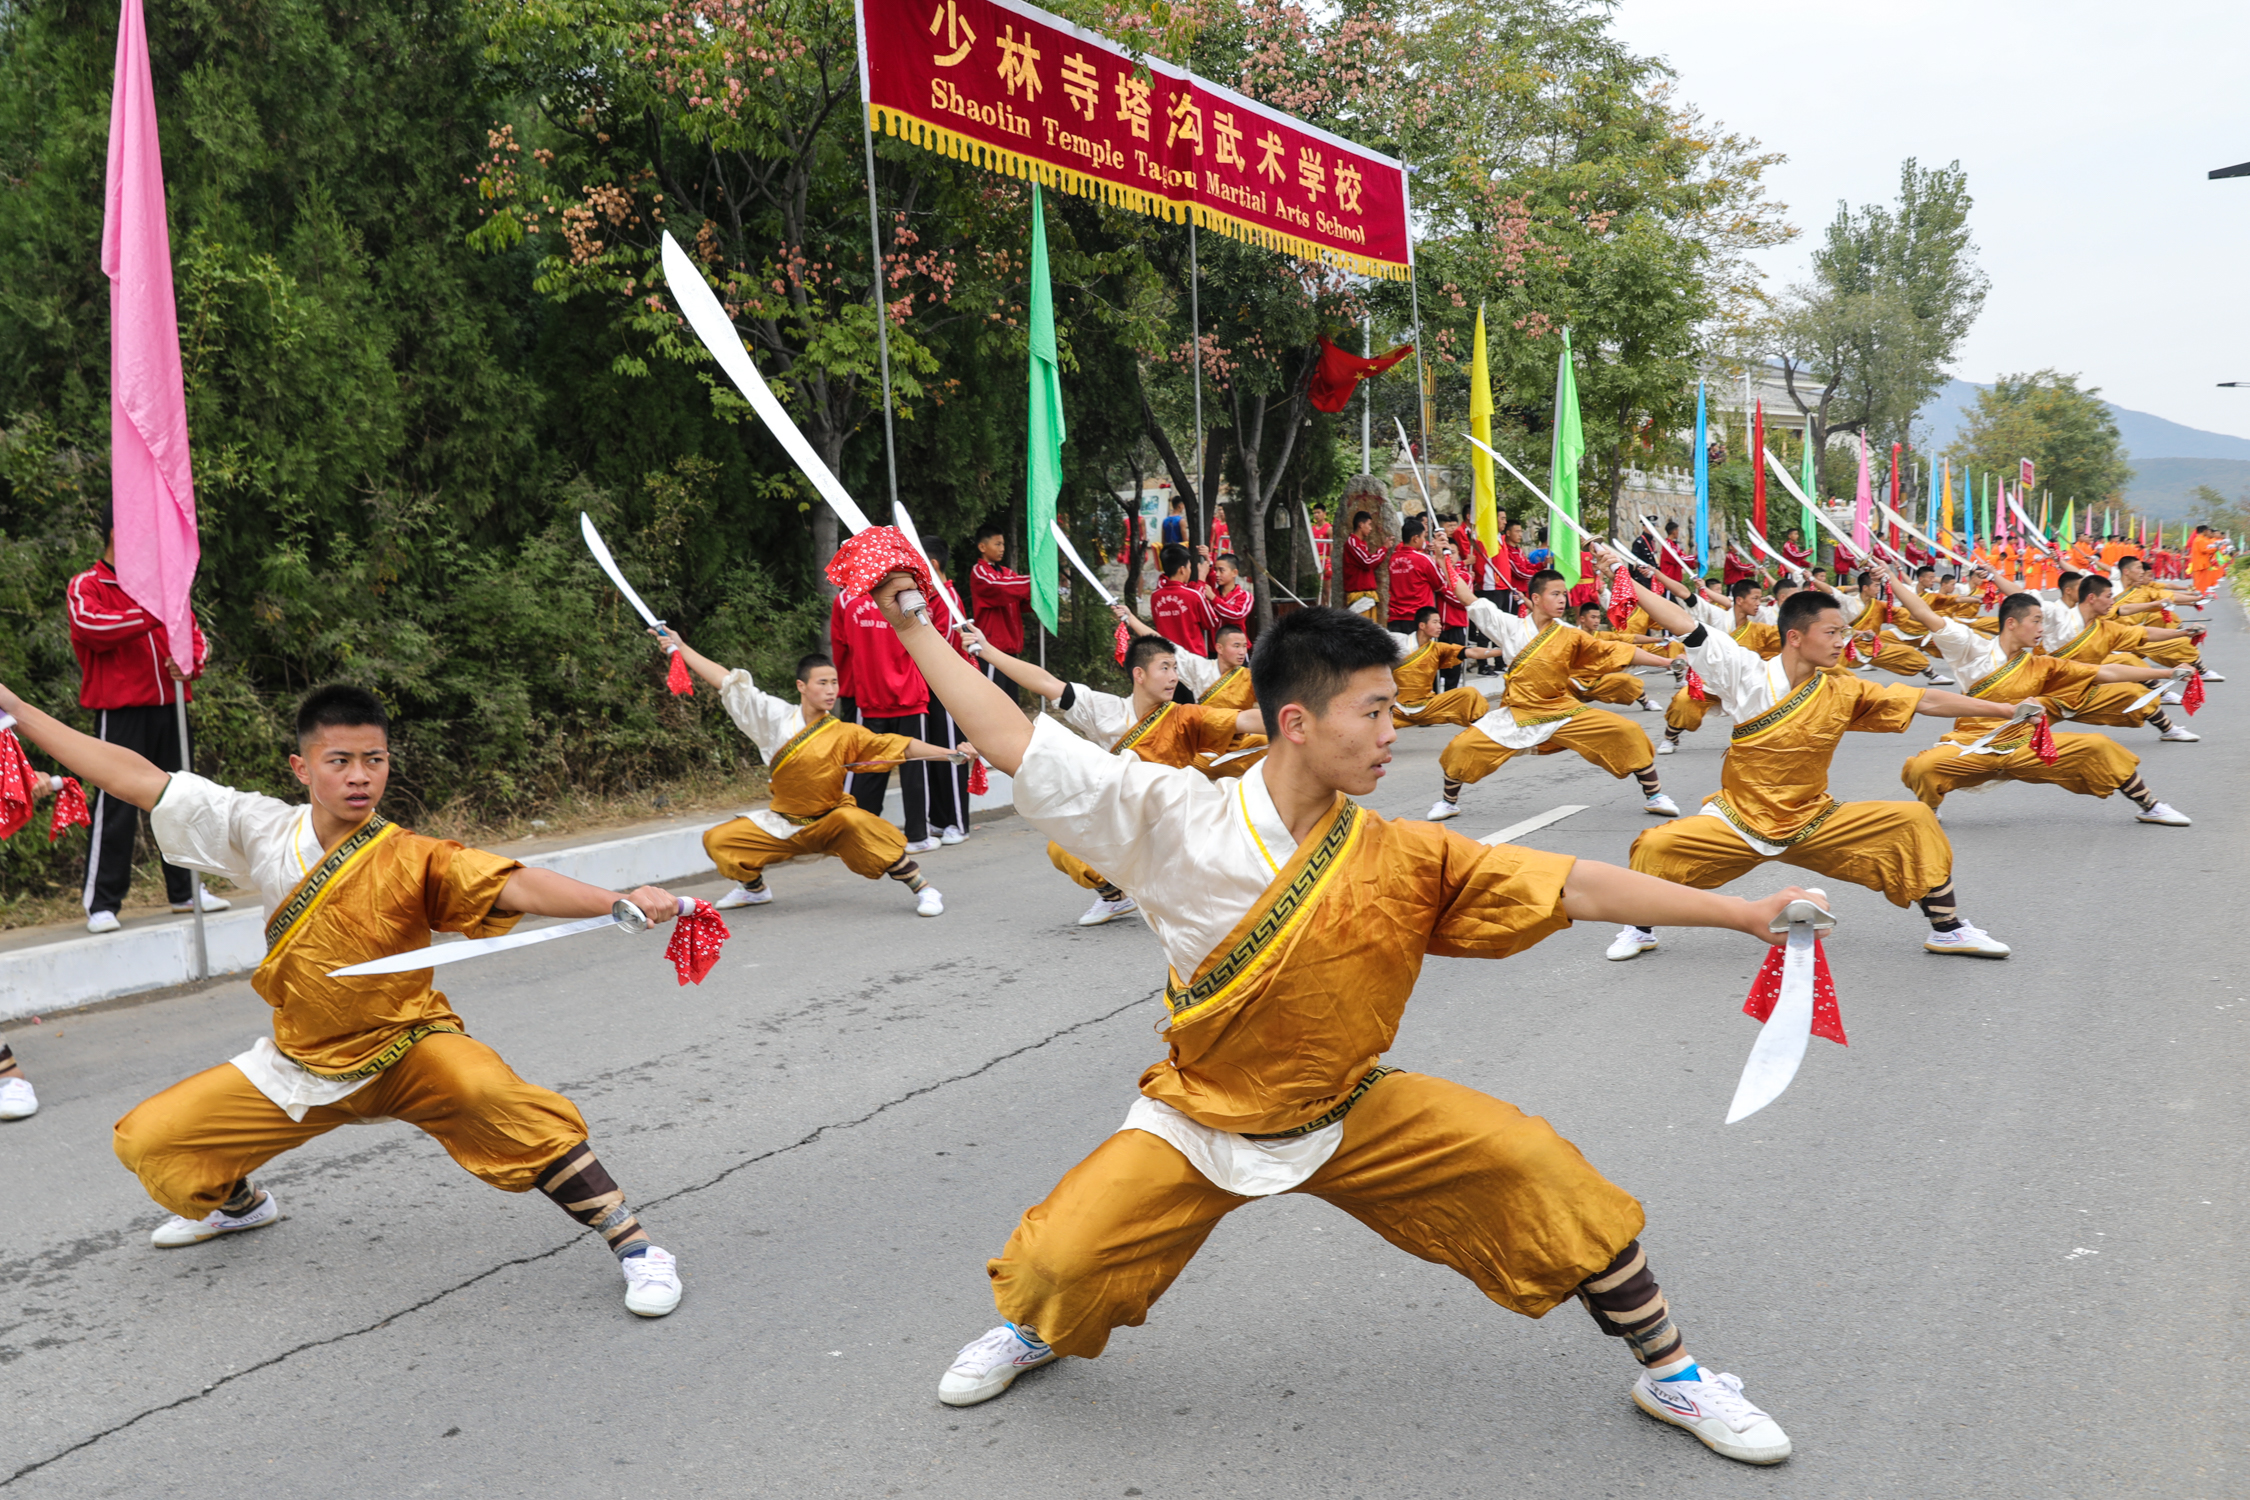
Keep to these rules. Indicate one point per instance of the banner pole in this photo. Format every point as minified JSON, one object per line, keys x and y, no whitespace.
{"x":1195,"y":325}
{"x":187,"y":763}
{"x":1367,"y":402}
{"x":882,"y":303}
{"x":1422,"y":396}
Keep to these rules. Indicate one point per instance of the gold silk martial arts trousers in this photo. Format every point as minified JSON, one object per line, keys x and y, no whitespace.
{"x":867,"y":845}
{"x":1617,"y":745}
{"x":1610,"y":687}
{"x":1893,"y":847}
{"x":190,"y":1144}
{"x":1462,"y":706}
{"x":1445,"y":1173}
{"x":2092,"y":765}
{"x":1685,"y":713}
{"x":1893,"y":655}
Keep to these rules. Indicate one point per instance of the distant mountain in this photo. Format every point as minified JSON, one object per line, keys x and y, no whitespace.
{"x":2169,"y":459}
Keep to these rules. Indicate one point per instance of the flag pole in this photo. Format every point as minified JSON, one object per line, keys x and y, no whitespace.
{"x":882,"y":303}
{"x":195,"y":880}
{"x":1195,"y":328}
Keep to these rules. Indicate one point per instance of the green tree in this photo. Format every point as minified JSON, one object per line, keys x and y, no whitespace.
{"x":1865,"y":343}
{"x":2064,"y":428}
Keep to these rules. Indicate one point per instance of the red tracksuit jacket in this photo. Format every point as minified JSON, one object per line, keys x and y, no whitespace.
{"x":121,"y":647}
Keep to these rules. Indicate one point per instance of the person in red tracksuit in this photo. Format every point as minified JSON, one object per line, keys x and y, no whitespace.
{"x":1361,"y":558}
{"x":997,"y":600}
{"x":1180,"y":608}
{"x":1231,"y":600}
{"x":891,"y":698}
{"x":127,"y":678}
{"x":1415,"y":575}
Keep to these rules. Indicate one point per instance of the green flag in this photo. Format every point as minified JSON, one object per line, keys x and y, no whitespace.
{"x":1042,"y":476}
{"x":1808,"y":480}
{"x":1562,"y":464}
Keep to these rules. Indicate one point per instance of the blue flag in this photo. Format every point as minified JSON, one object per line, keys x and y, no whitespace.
{"x":1702,"y":486}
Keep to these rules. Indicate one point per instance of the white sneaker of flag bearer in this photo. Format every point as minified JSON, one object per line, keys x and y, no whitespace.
{"x":697,"y":935}
{"x":677,"y":676}
{"x":1796,"y":999}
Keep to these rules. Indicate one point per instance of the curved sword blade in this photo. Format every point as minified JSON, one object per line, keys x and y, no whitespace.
{"x":439,"y":954}
{"x":1781,"y":1042}
{"x":595,"y":545}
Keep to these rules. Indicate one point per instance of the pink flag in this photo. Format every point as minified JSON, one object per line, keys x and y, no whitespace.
{"x":1864,"y":512}
{"x":151,"y":486}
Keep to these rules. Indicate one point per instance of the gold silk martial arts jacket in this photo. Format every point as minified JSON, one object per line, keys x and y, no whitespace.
{"x":2066,"y":634}
{"x":1215,"y":686}
{"x":2150,"y":593}
{"x":804,"y":761}
{"x":1541,"y":666}
{"x":1171,"y":734}
{"x":381,"y":890}
{"x":1415,"y":677}
{"x":1289,"y":964}
{"x":1773,"y":784}
{"x":1985,"y":673}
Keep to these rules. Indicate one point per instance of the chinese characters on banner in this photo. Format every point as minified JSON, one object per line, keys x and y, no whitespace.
{"x":1010,"y":87}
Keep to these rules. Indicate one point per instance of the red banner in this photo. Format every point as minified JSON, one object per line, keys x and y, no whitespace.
{"x":1010,"y":87}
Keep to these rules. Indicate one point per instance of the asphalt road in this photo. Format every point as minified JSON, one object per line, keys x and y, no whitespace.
{"x":1993,"y":1248}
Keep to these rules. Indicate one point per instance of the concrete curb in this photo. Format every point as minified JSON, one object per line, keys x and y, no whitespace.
{"x":83,"y":970}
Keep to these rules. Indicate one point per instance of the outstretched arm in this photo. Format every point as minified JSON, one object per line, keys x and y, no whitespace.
{"x":1596,"y":892}
{"x":701,"y":665}
{"x":1041,"y":681}
{"x":987,"y":716}
{"x":2116,"y":672}
{"x":1943,"y":705}
{"x":546,"y":893}
{"x":124,"y":774}
{"x":1660,"y":609}
{"x":1133,"y":622}
{"x":1913,"y":603}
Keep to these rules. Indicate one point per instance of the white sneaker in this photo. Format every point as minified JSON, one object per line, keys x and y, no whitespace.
{"x":2211,"y":676}
{"x":1715,"y":1410}
{"x":177,"y":1231}
{"x":652,"y":1283}
{"x":2163,"y":813}
{"x":1630,"y":942}
{"x":2171,"y":698}
{"x":1105,"y":910}
{"x":103,"y":921}
{"x":2179,"y":734}
{"x":1663,"y":806}
{"x":210,"y":903}
{"x":1973,"y":942}
{"x":17,"y":1101}
{"x":742,"y":895}
{"x":1441,"y":809}
{"x":921,"y":846}
{"x":930,"y":903}
{"x":990,"y":1365}
{"x":953,"y":833}
{"x":1667,"y":747}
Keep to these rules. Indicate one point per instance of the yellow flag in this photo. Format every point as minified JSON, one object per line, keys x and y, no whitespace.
{"x":1946,"y":527}
{"x":1484,"y":505}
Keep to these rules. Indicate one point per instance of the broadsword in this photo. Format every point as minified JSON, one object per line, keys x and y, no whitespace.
{"x":1782,"y":1040}
{"x":1079,"y":563}
{"x":623,"y":914}
{"x":595,"y":545}
{"x":2026,"y":711}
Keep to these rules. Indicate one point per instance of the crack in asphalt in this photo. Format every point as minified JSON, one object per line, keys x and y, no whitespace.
{"x":524,"y":1260}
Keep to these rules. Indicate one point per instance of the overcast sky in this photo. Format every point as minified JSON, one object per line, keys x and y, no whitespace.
{"x":2086,"y":131}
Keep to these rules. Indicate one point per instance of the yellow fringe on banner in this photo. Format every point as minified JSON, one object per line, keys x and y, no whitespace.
{"x":919,"y":132}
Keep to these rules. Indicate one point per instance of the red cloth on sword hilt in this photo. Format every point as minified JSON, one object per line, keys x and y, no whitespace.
{"x":865,"y":560}
{"x":1765,"y":991}
{"x":980,"y":778}
{"x":1621,"y":597}
{"x":678,"y":678}
{"x":70,"y":809}
{"x":2191,"y":696}
{"x":1695,"y":689}
{"x":2043,"y":741}
{"x":698,"y":932}
{"x":1124,"y":639}
{"x":19,"y":784}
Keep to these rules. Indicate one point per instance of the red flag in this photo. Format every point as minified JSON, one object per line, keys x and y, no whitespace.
{"x":1339,"y":374}
{"x":1758,"y":470}
{"x":1895,"y":477}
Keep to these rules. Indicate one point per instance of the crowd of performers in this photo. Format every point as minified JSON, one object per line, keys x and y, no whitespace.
{"x":1216,"y":800}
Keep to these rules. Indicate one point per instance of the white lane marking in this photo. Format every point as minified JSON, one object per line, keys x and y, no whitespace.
{"x":1516,"y":831}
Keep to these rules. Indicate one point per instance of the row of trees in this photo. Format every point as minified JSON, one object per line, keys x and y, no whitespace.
{"x":423,"y":327}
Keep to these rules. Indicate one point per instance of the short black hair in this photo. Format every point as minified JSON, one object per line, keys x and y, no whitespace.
{"x":1145,"y":649}
{"x":811,"y":662}
{"x":1670,"y":527}
{"x":1427,"y":612}
{"x":1541,"y":579}
{"x":1173,"y":558}
{"x":1229,"y":560}
{"x":990,"y":529}
{"x":1925,"y":568}
{"x":938,"y":552}
{"x":1742,"y":587}
{"x":340,"y":705}
{"x":2093,"y":583}
{"x":1596,"y":606}
{"x":1359,"y":516}
{"x":1863,"y":578}
{"x":1801,"y":609}
{"x":1227,"y":628}
{"x":1414,"y":527}
{"x":2018,"y":604}
{"x":1310,"y":654}
{"x":2067,"y":579}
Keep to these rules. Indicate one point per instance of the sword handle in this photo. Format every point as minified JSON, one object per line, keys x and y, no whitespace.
{"x":912,"y":602}
{"x":629,"y":916}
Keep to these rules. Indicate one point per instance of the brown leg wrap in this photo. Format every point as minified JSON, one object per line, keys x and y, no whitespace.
{"x":1942,"y":907}
{"x":2159,"y":721}
{"x":8,"y":1068}
{"x":241,"y":1198}
{"x":909,"y":874}
{"x":2135,"y":789}
{"x":1651,"y":782}
{"x":582,"y":1187}
{"x":1627,"y":1303}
